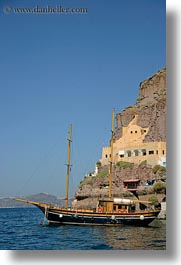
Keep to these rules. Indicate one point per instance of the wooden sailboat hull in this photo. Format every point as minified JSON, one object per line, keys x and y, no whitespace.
{"x":62,"y":216}
{"x":71,"y":217}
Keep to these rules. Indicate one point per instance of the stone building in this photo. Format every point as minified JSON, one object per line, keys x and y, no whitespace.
{"x":132,"y":148}
{"x":141,"y":128}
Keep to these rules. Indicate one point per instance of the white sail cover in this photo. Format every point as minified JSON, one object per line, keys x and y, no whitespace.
{"x":124,"y":201}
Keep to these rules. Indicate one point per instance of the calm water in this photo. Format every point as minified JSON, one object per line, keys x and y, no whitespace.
{"x":21,"y":229}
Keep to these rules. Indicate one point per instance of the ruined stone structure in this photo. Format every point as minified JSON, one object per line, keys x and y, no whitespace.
{"x":141,"y":129}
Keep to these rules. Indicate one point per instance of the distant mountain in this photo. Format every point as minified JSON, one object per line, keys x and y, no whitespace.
{"x":10,"y":202}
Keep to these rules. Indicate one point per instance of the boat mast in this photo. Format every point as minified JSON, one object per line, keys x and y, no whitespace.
{"x":68,"y":167}
{"x":111,"y":156}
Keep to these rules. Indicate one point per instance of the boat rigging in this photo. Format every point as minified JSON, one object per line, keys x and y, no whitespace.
{"x":109,"y":211}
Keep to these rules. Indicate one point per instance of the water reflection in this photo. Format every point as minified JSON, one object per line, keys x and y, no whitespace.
{"x":24,"y":232}
{"x":135,"y":238}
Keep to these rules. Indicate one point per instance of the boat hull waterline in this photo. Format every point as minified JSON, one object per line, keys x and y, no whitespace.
{"x":104,"y":219}
{"x":61,"y":216}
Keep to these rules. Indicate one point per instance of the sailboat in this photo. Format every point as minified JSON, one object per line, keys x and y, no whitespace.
{"x":109,"y":211}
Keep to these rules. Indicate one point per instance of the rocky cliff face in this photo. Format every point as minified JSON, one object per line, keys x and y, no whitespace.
{"x":93,"y":187}
{"x":151,"y":110}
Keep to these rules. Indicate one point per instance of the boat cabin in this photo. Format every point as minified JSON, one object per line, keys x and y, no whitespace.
{"x":116,"y":205}
{"x":132,"y":184}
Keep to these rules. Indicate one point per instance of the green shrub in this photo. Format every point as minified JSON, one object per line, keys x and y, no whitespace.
{"x":98,"y":164}
{"x":87,"y":181}
{"x":159,"y":168}
{"x":90,"y":181}
{"x":159,"y":187}
{"x":143,"y":163}
{"x":103,"y":173}
{"x":124,"y":164}
{"x":153,"y":200}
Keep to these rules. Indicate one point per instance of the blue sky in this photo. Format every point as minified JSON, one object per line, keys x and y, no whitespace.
{"x":62,"y":68}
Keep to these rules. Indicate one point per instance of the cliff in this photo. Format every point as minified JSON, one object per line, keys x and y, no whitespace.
{"x":151,"y":110}
{"x":93,"y":187}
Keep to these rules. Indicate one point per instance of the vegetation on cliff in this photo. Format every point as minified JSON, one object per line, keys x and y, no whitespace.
{"x":124,"y":164}
{"x":151,"y":110}
{"x":159,"y":169}
{"x":94,"y":186}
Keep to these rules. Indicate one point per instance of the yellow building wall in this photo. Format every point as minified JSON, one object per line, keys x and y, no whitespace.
{"x":131,"y":147}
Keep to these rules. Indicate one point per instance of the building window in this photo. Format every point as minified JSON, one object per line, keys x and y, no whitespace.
{"x":163,"y":152}
{"x":106,"y":155}
{"x":135,"y":131}
{"x":131,"y":131}
{"x":157,"y":152}
{"x":121,"y":153}
{"x":136,"y":153}
{"x":128,"y":153}
{"x":143,"y":151}
{"x":151,"y":152}
{"x":143,"y":131}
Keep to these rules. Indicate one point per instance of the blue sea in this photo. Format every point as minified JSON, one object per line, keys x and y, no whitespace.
{"x":21,"y":229}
